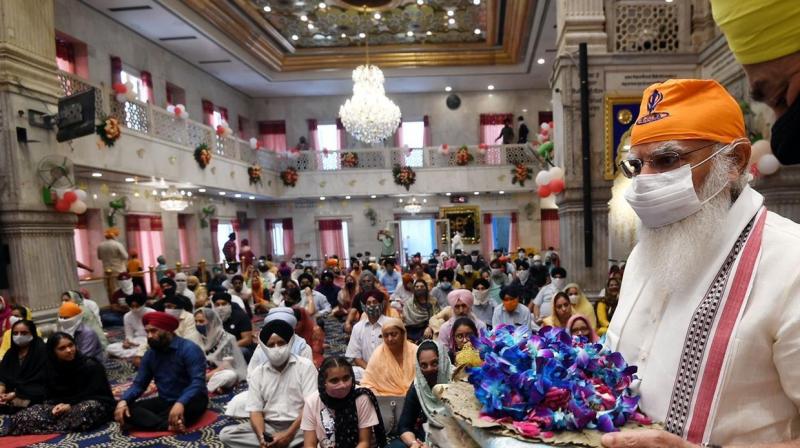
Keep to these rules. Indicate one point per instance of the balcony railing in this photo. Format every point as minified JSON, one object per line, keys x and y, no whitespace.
{"x":157,"y":123}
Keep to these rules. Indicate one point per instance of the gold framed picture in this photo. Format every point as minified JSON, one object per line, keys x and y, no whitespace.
{"x":464,"y":218}
{"x":620,"y":114}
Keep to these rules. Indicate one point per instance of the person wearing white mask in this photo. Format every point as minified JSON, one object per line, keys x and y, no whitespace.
{"x":181,"y":287}
{"x":275,"y":395}
{"x":709,"y":307}
{"x":186,"y":328}
{"x":70,"y":322}
{"x":483,"y":306}
{"x":114,"y":314}
{"x":135,"y":336}
{"x":536,"y":260}
{"x":542,"y":305}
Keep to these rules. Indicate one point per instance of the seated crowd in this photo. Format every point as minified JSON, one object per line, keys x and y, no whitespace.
{"x":408,"y":330}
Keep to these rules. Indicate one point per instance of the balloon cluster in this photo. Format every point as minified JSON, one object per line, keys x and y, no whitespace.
{"x":444,"y":149}
{"x":253,"y":143}
{"x":124,"y":92}
{"x":545,"y":149}
{"x":70,"y":201}
{"x":177,"y":111}
{"x":223,"y":130}
{"x":482,"y":148}
{"x":550,"y":181}
{"x":762,"y":161}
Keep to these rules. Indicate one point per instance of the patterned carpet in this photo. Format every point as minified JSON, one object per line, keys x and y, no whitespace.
{"x":121,"y":373}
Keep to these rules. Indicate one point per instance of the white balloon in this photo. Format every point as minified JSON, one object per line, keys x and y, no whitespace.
{"x":768,"y":164}
{"x":253,"y":143}
{"x":129,"y":85}
{"x":121,"y":97}
{"x":81,"y":194}
{"x":758,"y":150}
{"x":543,"y":178}
{"x":78,"y":207}
{"x":171,"y":109}
{"x":545,"y":126}
{"x":556,"y":172}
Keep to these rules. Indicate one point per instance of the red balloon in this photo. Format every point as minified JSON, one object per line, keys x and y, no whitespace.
{"x":120,"y":88}
{"x":70,"y":197}
{"x":220,"y":130}
{"x":62,"y":206}
{"x":544,"y":191}
{"x":556,"y":185}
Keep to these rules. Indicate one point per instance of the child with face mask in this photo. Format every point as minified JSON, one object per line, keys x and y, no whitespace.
{"x":341,"y":414}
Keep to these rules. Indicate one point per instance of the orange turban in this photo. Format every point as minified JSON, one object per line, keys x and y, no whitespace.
{"x":332,"y":263}
{"x":69,"y":309}
{"x":688,"y":109}
{"x":111,"y":233}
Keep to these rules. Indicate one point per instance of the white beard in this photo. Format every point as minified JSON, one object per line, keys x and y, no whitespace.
{"x":676,"y":251}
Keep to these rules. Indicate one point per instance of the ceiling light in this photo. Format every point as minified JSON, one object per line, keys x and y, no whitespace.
{"x":447,"y":194}
{"x":525,"y":110}
{"x":267,"y":8}
{"x":400,"y":200}
{"x":377,"y":16}
{"x":373,"y":196}
{"x":424,"y":201}
{"x":420,"y":2}
{"x":136,"y":194}
{"x":304,"y":18}
{"x":477,"y":193}
{"x":362,"y":35}
{"x":502,"y":192}
{"x":428,"y":33}
{"x":94,"y":196}
{"x":490,"y":87}
{"x":311,"y":26}
{"x":450,"y":13}
{"x":344,"y":36}
{"x":347,"y":197}
{"x":189,"y":193}
{"x":448,"y":88}
{"x":114,"y":194}
{"x":251,"y":197}
{"x":322,"y":5}
{"x":322,"y":198}
{"x":237,"y":195}
{"x":130,"y":179}
{"x":155,"y":192}
{"x":97,"y":174}
{"x":413,"y":206}
{"x":222,"y":193}
{"x":540,"y":61}
{"x":410,"y":33}
{"x":476,"y":2}
{"x":452,"y":21}
{"x":202,"y":190}
{"x":295,"y":37}
{"x":172,"y":200}
{"x":477,"y":31}
{"x":369,"y":115}
{"x":669,"y":1}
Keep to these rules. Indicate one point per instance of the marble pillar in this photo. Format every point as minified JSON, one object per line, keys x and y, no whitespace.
{"x":39,"y":240}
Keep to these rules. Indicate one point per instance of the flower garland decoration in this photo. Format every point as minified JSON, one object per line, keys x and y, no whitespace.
{"x":289,"y":177}
{"x":463,"y":156}
{"x":548,"y":381}
{"x":254,"y":173}
{"x":349,"y":160}
{"x":521,"y":173}
{"x":404,"y":176}
{"x":202,"y":155}
{"x":108,"y":131}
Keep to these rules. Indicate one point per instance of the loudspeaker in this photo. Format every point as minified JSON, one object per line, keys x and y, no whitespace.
{"x":453,"y":101}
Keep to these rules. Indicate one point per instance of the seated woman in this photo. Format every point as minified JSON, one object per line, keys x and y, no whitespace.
{"x":421,"y":406}
{"x":460,"y":305}
{"x":135,"y":336}
{"x":391,"y":368}
{"x":578,"y":325}
{"x":23,"y":370}
{"x":78,"y":396}
{"x":581,"y":303}
{"x":88,"y":314}
{"x":607,"y":305}
{"x":340,"y":414}
{"x":70,"y":321}
{"x":18,"y":313}
{"x":346,"y":298}
{"x":418,"y":312}
{"x":403,"y":293}
{"x":461,"y":332}
{"x":562,"y":311}
{"x":225,"y":363}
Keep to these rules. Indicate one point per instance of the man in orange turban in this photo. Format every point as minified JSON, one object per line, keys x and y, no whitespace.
{"x":112,"y":253}
{"x":764,"y":35}
{"x":709,"y":308}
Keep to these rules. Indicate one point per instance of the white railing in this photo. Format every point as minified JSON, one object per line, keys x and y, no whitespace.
{"x":157,"y":123}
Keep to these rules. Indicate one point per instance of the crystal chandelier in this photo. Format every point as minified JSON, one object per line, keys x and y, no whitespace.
{"x":172,"y":200}
{"x":413,"y":206}
{"x":369,"y":115}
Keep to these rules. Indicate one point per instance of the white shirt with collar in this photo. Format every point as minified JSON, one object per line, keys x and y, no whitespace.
{"x":365,"y":338}
{"x":280,"y":395}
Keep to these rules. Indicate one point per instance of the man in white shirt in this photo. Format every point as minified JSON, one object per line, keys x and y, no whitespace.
{"x":709,"y":308}
{"x":542,"y":304}
{"x":181,"y":287}
{"x":275,"y":394}
{"x":308,"y":294}
{"x":366,"y":336}
{"x":112,"y":253}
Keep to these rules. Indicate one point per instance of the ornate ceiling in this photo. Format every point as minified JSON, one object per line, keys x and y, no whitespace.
{"x":289,"y":35}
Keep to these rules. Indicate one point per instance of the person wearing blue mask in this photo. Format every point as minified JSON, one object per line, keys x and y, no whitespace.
{"x":443,"y":287}
{"x":225,"y":363}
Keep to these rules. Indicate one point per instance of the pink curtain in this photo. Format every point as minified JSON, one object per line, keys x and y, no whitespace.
{"x":147,"y":80}
{"x":116,"y":70}
{"x":550,"y":228}
{"x":288,"y":238}
{"x":313,"y":141}
{"x":398,"y":135}
{"x":145,"y":234}
{"x":254,"y":236}
{"x":208,"y":113}
{"x":487,"y":235}
{"x":513,"y":237}
{"x":272,"y":135}
{"x":214,"y":244}
{"x":490,"y":127}
{"x":331,"y":238}
{"x":183,"y":241}
{"x":270,"y":247}
{"x":65,"y":55}
{"x":426,"y":137}
{"x":342,"y":134}
{"x":223,"y":112}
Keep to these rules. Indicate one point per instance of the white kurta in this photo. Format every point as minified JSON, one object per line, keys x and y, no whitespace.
{"x":759,"y":393}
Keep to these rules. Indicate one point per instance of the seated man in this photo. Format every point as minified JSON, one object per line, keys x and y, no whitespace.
{"x":511,"y":311}
{"x":135,"y":336}
{"x":390,"y":278}
{"x":178,"y":367}
{"x":186,"y":328}
{"x":366,"y":336}
{"x":443,"y":287}
{"x":275,"y":395}
{"x":239,"y":289}
{"x":542,"y":305}
{"x":235,"y":322}
{"x":113,"y":314}
{"x":321,"y":305}
{"x":182,"y":287}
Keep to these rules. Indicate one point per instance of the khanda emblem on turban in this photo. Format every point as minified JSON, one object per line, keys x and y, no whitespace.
{"x":652,"y":102}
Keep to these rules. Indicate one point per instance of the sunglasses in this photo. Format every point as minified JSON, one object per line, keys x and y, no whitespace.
{"x":661,"y":162}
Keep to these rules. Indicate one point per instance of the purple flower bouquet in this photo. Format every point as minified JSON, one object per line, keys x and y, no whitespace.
{"x":548,"y":381}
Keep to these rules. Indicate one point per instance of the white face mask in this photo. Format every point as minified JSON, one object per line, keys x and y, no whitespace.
{"x":174,"y":312}
{"x":12,"y":320}
{"x":138,"y":311}
{"x":559,"y":283}
{"x":22,"y":339}
{"x":481,"y":297}
{"x":277,"y":356}
{"x":573,"y":299}
{"x":126,"y":286}
{"x":70,"y":324}
{"x":665,"y":198}
{"x":180,"y":286}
